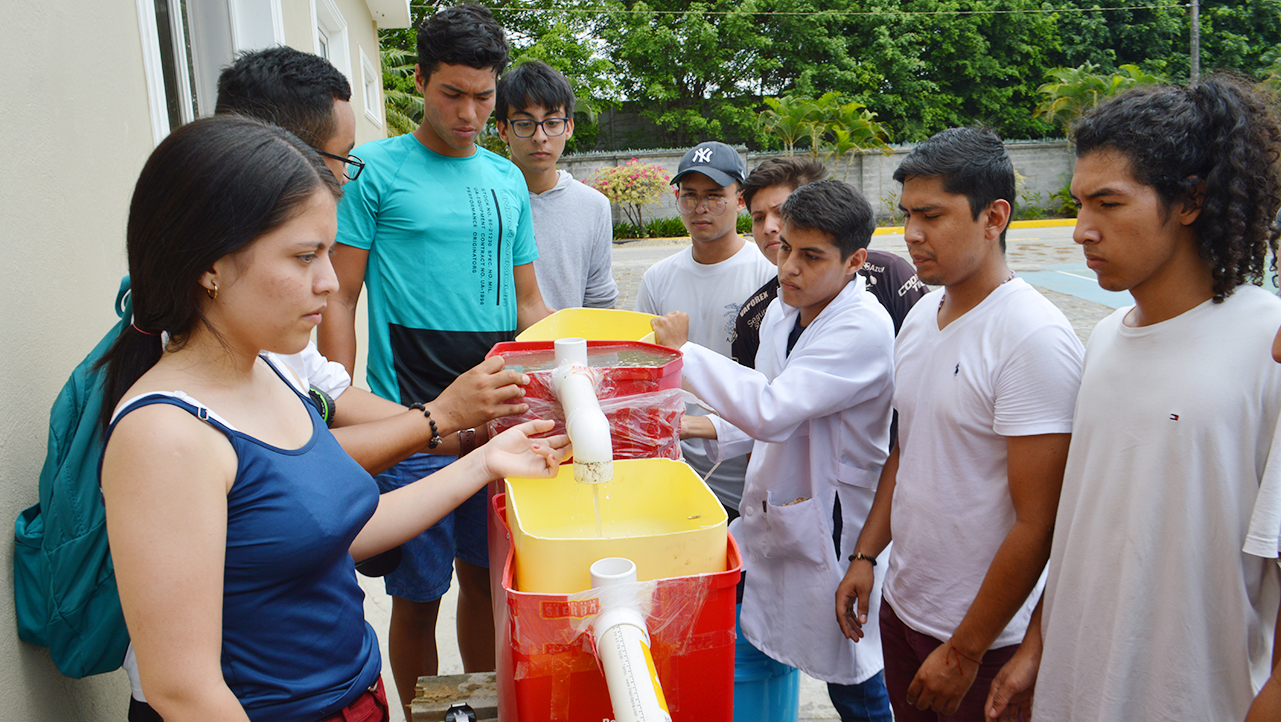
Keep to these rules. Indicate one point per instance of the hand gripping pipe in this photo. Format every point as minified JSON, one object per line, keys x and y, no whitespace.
{"x":588,"y":429}
{"x":622,"y":645}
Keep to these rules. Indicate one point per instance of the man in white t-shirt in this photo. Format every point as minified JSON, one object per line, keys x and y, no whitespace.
{"x":1152,"y":610}
{"x":985,"y":377}
{"x":709,"y":280}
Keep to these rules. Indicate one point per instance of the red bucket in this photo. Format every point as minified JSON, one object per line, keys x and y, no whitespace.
{"x":547,"y":671}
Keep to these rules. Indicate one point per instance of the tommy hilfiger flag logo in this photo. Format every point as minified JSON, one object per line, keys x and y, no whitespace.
{"x":703,"y":155}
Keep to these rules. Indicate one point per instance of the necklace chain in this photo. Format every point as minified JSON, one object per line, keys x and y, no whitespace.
{"x":1002,"y":283}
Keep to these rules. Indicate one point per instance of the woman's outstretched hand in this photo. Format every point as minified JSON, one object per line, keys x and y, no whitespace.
{"x":514,"y":453}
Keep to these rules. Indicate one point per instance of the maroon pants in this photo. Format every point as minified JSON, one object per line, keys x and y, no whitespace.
{"x":905,"y":649}
{"x":368,"y":707}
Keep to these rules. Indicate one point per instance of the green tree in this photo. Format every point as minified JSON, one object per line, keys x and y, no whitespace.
{"x":853,"y":128}
{"x":1243,"y":34}
{"x":562,"y":39}
{"x":1075,"y":90}
{"x":788,"y":119}
{"x":1155,"y":39}
{"x":404,"y":105}
{"x":685,"y":64}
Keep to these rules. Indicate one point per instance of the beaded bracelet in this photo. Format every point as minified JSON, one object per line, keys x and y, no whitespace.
{"x":435,"y":435}
{"x":864,"y":557}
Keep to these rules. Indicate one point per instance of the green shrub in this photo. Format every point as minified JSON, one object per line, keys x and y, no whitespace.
{"x":624,"y":230}
{"x":894,"y":216}
{"x":666,"y":228}
{"x":1029,"y":207}
{"x":744,"y":225}
{"x":1061,"y":201}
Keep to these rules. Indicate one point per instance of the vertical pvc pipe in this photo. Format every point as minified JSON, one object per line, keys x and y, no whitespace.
{"x":587,"y":426}
{"x":622,"y":645}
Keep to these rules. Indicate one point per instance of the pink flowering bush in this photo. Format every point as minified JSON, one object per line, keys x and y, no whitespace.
{"x":632,"y":186}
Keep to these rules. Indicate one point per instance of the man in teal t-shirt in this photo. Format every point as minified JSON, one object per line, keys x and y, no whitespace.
{"x":440,"y":232}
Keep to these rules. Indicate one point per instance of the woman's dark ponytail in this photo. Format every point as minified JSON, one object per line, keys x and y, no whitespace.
{"x":208,"y":190}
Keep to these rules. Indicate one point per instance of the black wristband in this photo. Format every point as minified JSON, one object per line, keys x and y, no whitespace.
{"x":435,"y":435}
{"x":864,"y":557}
{"x":324,"y":404}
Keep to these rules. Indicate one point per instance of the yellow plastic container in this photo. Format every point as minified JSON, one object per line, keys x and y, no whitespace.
{"x":656,"y":512}
{"x":593,"y":324}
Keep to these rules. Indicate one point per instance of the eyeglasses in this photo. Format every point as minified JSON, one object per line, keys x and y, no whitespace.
{"x":715,"y":205}
{"x":351,"y":164}
{"x":553,"y":127}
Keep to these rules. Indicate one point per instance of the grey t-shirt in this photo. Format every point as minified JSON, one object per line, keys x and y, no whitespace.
{"x":574,"y":231}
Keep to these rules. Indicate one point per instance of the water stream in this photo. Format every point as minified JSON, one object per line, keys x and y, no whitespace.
{"x":596,"y":506}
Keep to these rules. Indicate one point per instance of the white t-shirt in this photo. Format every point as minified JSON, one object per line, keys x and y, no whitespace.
{"x":711,"y":294}
{"x":1152,"y":611}
{"x":1264,"y":536}
{"x":315,"y":370}
{"x":1008,"y":367}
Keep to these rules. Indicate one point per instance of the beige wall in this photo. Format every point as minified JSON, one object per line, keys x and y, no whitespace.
{"x":76,"y":114}
{"x":76,"y":117}
{"x":362,"y":32}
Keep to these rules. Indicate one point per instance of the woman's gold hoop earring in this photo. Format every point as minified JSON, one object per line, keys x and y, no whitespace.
{"x":213,"y":292}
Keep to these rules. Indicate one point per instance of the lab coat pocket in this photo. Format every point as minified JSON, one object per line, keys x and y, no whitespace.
{"x":856,"y":476}
{"x":799,"y":531}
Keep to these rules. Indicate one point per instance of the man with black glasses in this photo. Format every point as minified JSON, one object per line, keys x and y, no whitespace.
{"x":709,"y":280}
{"x":572,"y":223}
{"x":300,"y":92}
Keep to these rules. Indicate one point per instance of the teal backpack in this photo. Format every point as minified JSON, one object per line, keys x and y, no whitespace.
{"x":64,"y":584}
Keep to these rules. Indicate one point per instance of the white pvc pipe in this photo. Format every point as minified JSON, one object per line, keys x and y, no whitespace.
{"x":622,"y":646}
{"x":588,"y":429}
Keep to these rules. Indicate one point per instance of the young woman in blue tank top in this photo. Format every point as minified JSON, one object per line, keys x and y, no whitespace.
{"x":235,"y":519}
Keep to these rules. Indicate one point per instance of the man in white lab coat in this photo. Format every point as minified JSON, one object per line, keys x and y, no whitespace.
{"x":815,"y":414}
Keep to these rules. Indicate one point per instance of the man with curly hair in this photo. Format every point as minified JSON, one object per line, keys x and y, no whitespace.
{"x":1152,"y":610}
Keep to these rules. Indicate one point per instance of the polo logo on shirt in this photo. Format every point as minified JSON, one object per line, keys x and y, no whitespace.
{"x":1174,"y":417}
{"x":956,"y":370}
{"x":703,"y":155}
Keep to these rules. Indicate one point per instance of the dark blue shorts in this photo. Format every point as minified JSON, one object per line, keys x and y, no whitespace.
{"x":427,"y":560}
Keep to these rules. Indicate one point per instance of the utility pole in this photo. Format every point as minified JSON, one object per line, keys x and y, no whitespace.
{"x":1196,"y":40}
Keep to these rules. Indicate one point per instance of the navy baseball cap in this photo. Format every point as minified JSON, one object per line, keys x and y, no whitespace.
{"x":715,"y":160}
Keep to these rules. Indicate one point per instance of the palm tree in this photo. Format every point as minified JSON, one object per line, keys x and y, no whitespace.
{"x":789,"y":117}
{"x":1078,"y":89}
{"x":852,"y":128}
{"x":404,"y":107}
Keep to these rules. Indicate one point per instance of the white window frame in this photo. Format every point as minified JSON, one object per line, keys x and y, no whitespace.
{"x":152,"y":71}
{"x":371,"y":88}
{"x":250,"y":25}
{"x":256,"y":24}
{"x":326,"y":16}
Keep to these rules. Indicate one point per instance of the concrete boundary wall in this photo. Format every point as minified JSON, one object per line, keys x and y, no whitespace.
{"x":1045,"y":165}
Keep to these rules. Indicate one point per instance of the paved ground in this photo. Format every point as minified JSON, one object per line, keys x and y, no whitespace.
{"x":1045,"y":257}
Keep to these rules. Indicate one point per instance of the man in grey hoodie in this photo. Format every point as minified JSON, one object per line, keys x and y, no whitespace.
{"x":573,"y":227}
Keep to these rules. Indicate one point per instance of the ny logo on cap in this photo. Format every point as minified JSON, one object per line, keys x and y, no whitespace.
{"x":703,"y":155}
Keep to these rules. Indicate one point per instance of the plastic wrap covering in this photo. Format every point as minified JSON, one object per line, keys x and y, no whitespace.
{"x":643,"y":426}
{"x":634,"y":379}
{"x":547,"y":668}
